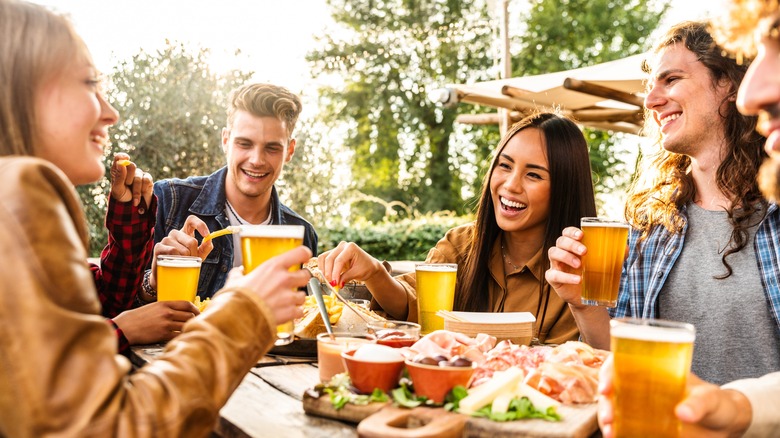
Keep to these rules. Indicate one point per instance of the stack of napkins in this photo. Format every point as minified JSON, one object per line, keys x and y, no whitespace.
{"x":517,"y":327}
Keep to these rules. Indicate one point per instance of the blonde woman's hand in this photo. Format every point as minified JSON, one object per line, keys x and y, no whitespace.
{"x":275,"y":284}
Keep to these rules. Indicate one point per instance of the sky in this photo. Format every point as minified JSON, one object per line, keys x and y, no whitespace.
{"x":273,"y":35}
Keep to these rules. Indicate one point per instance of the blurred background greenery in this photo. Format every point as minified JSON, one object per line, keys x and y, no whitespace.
{"x":378,"y":163}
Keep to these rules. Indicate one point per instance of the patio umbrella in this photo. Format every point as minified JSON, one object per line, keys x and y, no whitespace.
{"x":604,"y":96}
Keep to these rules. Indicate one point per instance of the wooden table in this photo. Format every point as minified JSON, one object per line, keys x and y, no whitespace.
{"x":268,"y":402}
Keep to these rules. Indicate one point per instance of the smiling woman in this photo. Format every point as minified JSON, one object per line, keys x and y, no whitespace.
{"x":53,"y":125}
{"x":538,"y":184}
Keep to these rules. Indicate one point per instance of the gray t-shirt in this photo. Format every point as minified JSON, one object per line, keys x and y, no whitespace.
{"x":736,"y":336}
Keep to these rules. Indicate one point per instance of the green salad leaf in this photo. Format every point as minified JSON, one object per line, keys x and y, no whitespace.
{"x":518,"y":409}
{"x":340,"y":394}
{"x":404,"y":397}
{"x":452,"y":401}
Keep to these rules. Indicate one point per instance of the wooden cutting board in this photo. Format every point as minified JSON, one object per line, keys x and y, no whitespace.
{"x":382,"y":420}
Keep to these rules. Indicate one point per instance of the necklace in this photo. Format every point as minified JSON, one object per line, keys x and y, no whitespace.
{"x":230,"y":207}
{"x":507,"y":259}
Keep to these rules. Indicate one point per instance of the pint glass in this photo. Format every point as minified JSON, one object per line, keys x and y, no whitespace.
{"x":261,"y":242}
{"x":177,"y":277}
{"x":606,"y":242}
{"x":652,"y":362}
{"x":435,"y":291}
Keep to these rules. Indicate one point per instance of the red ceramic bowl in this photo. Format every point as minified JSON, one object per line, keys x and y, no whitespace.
{"x":366,"y":375}
{"x":434,"y":382}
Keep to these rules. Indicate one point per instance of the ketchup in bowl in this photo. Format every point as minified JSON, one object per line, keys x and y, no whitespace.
{"x":394,"y":334}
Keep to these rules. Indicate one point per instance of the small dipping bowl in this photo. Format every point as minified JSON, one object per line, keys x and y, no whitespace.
{"x":434,"y":381}
{"x":394,"y":334}
{"x":373,"y":366}
{"x":329,"y":351}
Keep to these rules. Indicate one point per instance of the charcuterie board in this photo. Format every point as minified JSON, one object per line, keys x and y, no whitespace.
{"x":380,"y":420}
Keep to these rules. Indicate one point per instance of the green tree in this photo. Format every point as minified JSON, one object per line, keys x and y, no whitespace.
{"x":172,"y":109}
{"x":566,"y":34}
{"x":390,"y":54}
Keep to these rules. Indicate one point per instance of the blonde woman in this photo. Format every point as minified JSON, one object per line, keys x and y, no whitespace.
{"x":61,"y":374}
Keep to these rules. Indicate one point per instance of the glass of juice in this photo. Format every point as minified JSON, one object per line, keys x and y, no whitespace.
{"x":177,"y":277}
{"x":652,"y":362}
{"x":606,"y":242}
{"x":435,"y":291}
{"x":329,"y":350}
{"x":261,"y":242}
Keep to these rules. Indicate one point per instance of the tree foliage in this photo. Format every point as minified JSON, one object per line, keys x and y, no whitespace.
{"x":172,"y":109}
{"x":566,"y":34}
{"x":390,"y":54}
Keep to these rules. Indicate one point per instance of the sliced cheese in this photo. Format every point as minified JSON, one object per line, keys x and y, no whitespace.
{"x":484,"y":394}
{"x":538,"y":399}
{"x":501,"y":402}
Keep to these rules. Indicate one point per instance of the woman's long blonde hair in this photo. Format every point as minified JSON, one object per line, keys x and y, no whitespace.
{"x":35,"y":46}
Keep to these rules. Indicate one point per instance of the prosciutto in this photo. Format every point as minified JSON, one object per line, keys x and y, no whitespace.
{"x":568,"y":373}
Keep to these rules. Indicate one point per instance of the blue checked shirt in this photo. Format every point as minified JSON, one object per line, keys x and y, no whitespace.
{"x":643,"y":278}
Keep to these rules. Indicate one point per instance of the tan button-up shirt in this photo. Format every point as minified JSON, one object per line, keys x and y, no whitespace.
{"x":516,"y":291}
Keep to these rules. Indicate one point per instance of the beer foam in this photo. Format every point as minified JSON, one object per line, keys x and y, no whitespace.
{"x":277,"y":231}
{"x":430,"y":267}
{"x":604,"y":224}
{"x":652,"y":333}
{"x":179,"y":262}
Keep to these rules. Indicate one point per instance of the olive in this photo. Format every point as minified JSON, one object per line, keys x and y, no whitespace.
{"x":425,"y":360}
{"x":460,"y":362}
{"x":441,"y":358}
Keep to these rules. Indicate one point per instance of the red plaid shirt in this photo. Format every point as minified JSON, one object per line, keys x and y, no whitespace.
{"x":125,"y":258}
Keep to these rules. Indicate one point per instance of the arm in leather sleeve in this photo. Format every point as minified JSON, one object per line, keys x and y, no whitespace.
{"x":61,"y":372}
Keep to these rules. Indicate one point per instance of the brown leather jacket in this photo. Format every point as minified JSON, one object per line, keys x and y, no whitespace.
{"x":59,"y":371}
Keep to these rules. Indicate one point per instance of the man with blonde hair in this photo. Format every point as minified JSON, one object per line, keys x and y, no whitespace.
{"x":257,"y":142}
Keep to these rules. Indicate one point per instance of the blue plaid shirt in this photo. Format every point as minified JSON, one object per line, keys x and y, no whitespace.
{"x":643,"y":278}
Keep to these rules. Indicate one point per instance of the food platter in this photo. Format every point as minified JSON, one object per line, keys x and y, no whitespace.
{"x":384,"y":420}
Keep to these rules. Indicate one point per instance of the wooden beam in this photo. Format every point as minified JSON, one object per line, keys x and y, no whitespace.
{"x":497,"y":102}
{"x":508,"y":90}
{"x":609,"y":115}
{"x":602,"y":91}
{"x":629,"y":129}
{"x":487,"y":118}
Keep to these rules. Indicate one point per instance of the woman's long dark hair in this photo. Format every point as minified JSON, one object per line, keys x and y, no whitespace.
{"x":571,"y":198}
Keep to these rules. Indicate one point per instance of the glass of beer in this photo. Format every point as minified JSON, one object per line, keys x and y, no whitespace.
{"x":606,"y":242}
{"x":261,"y":242}
{"x":435,"y":291}
{"x":652,"y":361}
{"x":177,"y":277}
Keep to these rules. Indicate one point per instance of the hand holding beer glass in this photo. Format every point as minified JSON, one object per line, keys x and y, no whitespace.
{"x":261,"y":242}
{"x":602,"y":264}
{"x":652,"y":360}
{"x":177,"y":277}
{"x":435,"y":291}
